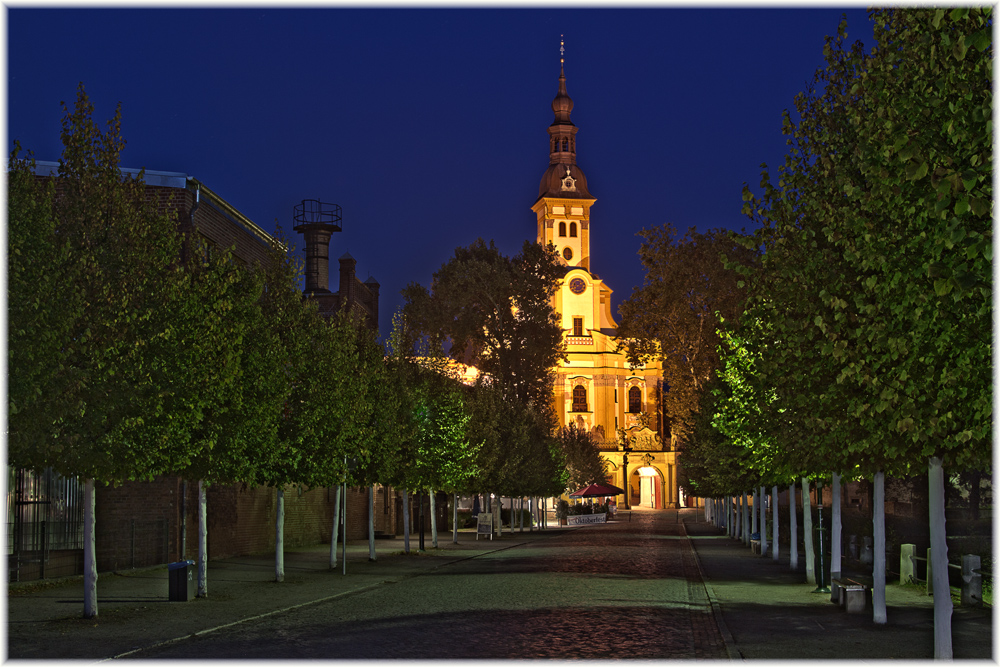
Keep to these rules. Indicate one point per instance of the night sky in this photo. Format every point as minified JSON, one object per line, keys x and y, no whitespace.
{"x":428,"y":125}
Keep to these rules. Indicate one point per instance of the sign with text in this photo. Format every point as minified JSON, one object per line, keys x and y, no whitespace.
{"x":581,"y":519}
{"x":485,"y":525}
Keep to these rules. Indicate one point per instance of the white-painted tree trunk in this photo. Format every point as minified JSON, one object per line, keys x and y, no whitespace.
{"x":406,"y":521}
{"x":279,"y":537}
{"x":754,"y":512}
{"x":202,"y":539}
{"x":878,"y":563}
{"x":499,"y":516}
{"x":807,"y":532}
{"x":520,"y":515}
{"x":89,"y":551}
{"x":762,"y":496}
{"x":434,"y":524}
{"x":774,"y":522}
{"x":371,"y":522}
{"x":939,"y":561}
{"x":793,"y":529}
{"x":746,"y":520}
{"x":733,"y":513}
{"x":336,"y":526}
{"x":454,"y":518}
{"x":835,"y":529}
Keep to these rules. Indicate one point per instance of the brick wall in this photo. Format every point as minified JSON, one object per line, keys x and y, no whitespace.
{"x":136,"y":524}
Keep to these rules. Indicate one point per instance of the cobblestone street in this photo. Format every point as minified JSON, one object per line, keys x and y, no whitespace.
{"x":624,"y":590}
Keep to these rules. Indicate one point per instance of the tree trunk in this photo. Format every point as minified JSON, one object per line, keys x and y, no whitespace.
{"x":774,"y":522}
{"x":835,"y":529}
{"x":434,"y":522}
{"x":520,"y":515}
{"x":731,"y":505}
{"x":746,"y":519}
{"x":793,"y":529}
{"x":202,"y":540}
{"x":878,"y":566}
{"x":754,"y":512}
{"x":336,"y":526}
{"x":761,"y":495}
{"x":279,"y":537}
{"x":499,"y":516}
{"x":371,"y":522}
{"x":807,"y":533}
{"x":89,"y":551}
{"x":406,"y":521}
{"x":974,"y":495}
{"x":939,"y":562}
{"x":454,"y":520}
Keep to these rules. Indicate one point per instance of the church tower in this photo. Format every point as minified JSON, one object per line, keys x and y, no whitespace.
{"x":563,"y":205}
{"x":595,"y":387}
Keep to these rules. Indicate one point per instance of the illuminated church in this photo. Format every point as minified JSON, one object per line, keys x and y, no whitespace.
{"x":595,"y":388}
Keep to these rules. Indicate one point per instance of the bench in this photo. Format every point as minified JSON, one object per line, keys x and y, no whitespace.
{"x":851,"y":594}
{"x":755,"y":547}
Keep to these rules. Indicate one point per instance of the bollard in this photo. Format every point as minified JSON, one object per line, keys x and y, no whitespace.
{"x":906,"y":563}
{"x":972,"y":581}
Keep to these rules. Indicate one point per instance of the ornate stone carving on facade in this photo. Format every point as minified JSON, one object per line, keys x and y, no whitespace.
{"x":647,"y":440}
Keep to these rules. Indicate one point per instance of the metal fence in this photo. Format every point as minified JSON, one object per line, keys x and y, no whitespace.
{"x":44,"y":525}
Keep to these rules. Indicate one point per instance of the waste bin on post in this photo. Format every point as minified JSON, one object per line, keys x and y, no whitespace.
{"x":183,"y":585}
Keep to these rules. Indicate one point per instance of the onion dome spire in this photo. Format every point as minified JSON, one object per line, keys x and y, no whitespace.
{"x":563,"y":178}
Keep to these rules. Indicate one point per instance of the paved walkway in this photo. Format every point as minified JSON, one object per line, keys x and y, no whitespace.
{"x":769,"y":611}
{"x":763,"y":609}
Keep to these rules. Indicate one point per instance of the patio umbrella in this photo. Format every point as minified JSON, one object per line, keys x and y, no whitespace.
{"x":595,"y":490}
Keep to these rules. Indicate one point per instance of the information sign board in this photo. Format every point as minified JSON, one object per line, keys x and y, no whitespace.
{"x":580,"y":519}
{"x":485,"y":525}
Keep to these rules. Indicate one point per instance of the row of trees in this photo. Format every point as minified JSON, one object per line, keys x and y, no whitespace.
{"x":863,"y":348}
{"x":135,"y":350}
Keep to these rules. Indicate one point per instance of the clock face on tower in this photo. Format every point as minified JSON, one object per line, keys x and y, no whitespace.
{"x":577,"y":286}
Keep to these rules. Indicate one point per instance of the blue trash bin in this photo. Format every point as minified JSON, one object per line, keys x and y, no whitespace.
{"x":183,"y":585}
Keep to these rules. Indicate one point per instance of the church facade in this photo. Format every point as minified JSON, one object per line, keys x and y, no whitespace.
{"x":596,"y":388}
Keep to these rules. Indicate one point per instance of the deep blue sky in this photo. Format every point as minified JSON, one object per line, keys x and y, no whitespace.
{"x":428,"y":126}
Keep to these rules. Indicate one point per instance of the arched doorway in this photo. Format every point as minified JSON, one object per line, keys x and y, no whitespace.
{"x":647,"y":487}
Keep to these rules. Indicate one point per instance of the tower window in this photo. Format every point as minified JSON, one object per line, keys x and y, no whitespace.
{"x":635,"y":400}
{"x":572,"y":229}
{"x":562,"y":229}
{"x":577,"y":326}
{"x":565,"y":145}
{"x":568,"y":253}
{"x":579,"y":398}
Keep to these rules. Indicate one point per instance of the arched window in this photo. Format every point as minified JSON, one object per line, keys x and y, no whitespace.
{"x":562,"y":229}
{"x":579,"y":398}
{"x":635,"y":400}
{"x":572,"y":229}
{"x":555,"y":145}
{"x":565,"y":145}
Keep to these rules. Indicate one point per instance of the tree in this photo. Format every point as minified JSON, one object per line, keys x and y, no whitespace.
{"x":583,"y":461}
{"x":117,"y":389}
{"x":496,"y":313}
{"x":675,"y":315}
{"x":890,"y":179}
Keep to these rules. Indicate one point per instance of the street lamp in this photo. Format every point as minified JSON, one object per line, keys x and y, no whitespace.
{"x":626,"y":451}
{"x":822,"y":587}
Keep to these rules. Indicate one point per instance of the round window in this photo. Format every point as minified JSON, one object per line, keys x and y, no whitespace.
{"x":568,"y":253}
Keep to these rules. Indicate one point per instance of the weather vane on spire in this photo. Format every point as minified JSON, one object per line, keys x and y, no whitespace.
{"x":562,"y":50}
